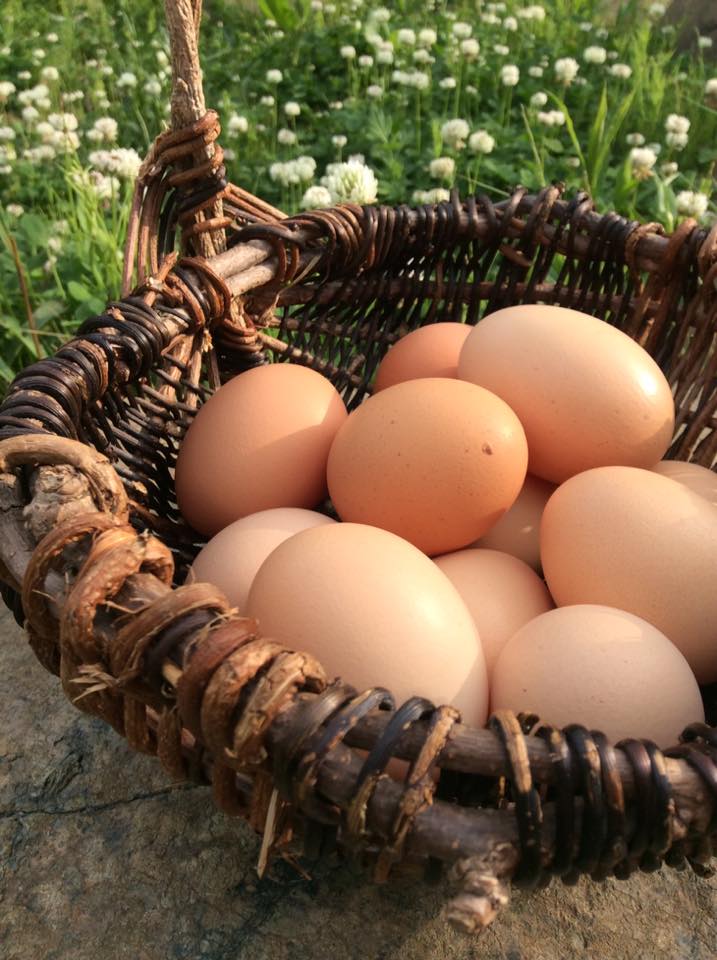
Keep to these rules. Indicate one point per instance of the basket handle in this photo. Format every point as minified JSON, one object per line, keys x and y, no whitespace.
{"x":188,"y":104}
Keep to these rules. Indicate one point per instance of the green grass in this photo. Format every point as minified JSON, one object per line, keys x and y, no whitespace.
{"x":66,"y":243}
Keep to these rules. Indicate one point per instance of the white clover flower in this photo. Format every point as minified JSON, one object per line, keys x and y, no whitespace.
{"x":292,"y":108}
{"x":30,"y":114}
{"x":676,"y":123}
{"x":6,"y":90}
{"x":423,"y":56}
{"x":501,"y":49}
{"x":418,"y":80}
{"x":365,"y":61}
{"x":267,"y":100}
{"x":535,"y":71}
{"x":39,"y":154}
{"x":427,"y":37}
{"x":237,"y":124}
{"x":305,"y":168}
{"x":107,"y":70}
{"x":52,"y":38}
{"x":711,"y":88}
{"x":278,"y":172}
{"x":54,"y":244}
{"x":552,"y":118}
{"x":24,"y":75}
{"x":677,"y":141}
{"x":14,"y":210}
{"x":442,"y":168}
{"x":481,"y":142}
{"x":152,"y":87}
{"x":573,"y":162}
{"x":72,"y":96}
{"x":315,"y":198}
{"x":470,"y":48}
{"x":704,"y":43}
{"x":381,"y":15}
{"x":286,"y":137}
{"x":489,"y":19}
{"x":384,"y":55}
{"x":533,"y":12}
{"x":656,"y":148}
{"x":656,"y":10}
{"x":602,"y":33}
{"x":437,"y":195}
{"x":447,"y":83}
{"x":7,"y":134}
{"x":336,"y":105}
{"x":38,"y":54}
{"x":400,"y":77}
{"x":642,"y":159}
{"x":162,"y":58}
{"x":594,"y":54}
{"x":539,"y":99}
{"x":406,"y":36}
{"x":670,"y":169}
{"x":348,"y":52}
{"x":620,"y":70}
{"x":509,"y":75}
{"x":635,"y":139}
{"x":274,"y":76}
{"x":690,"y":203}
{"x":461,"y":30}
{"x":37,"y":93}
{"x":374,"y":91}
{"x":51,"y":74}
{"x":350,"y":182}
{"x":471,"y":90}
{"x":317,"y":6}
{"x":127,"y":79}
{"x":510,"y":23}
{"x":66,"y":141}
{"x":63,"y":121}
{"x":123,"y":162}
{"x":455,"y":133}
{"x":339,"y":140}
{"x":566,"y":69}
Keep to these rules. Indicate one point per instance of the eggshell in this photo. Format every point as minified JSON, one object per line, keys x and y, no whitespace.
{"x":501,"y":592}
{"x":600,"y":667}
{"x":375,"y":611}
{"x":233,"y":556}
{"x":635,"y":540}
{"x":586,"y":394}
{"x":261,"y":441}
{"x":691,"y":475}
{"x":518,"y":531}
{"x":430,"y":351}
{"x":436,"y":461}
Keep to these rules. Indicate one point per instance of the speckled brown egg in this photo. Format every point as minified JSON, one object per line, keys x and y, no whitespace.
{"x":436,"y":461}
{"x":430,"y":351}
{"x":600,"y":667}
{"x":518,"y":531}
{"x":635,"y":540}
{"x":501,"y":592}
{"x":233,"y":556}
{"x":586,"y":394}
{"x":374,"y":610}
{"x":261,"y":441}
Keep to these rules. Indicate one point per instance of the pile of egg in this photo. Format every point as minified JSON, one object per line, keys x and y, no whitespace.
{"x":509,"y":535}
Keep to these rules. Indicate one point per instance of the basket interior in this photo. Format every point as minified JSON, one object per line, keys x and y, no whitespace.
{"x":423,"y":266}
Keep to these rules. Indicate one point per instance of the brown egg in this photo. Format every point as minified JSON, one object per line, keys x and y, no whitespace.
{"x":602,"y":668}
{"x":430,"y":351}
{"x":691,"y":475}
{"x":232,"y":557}
{"x":260,"y":442}
{"x":375,"y":611}
{"x":501,"y":592}
{"x":586,"y":394}
{"x":518,"y":531}
{"x":634,"y":540}
{"x":436,"y":461}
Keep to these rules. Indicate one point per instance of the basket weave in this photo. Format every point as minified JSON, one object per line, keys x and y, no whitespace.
{"x":94,"y":552}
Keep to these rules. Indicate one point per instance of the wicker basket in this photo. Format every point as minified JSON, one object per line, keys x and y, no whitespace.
{"x":93,"y":551}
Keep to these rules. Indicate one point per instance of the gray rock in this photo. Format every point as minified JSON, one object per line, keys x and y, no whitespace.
{"x":100,"y":857}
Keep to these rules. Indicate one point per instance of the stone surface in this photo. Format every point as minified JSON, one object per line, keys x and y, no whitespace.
{"x":101,"y":858}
